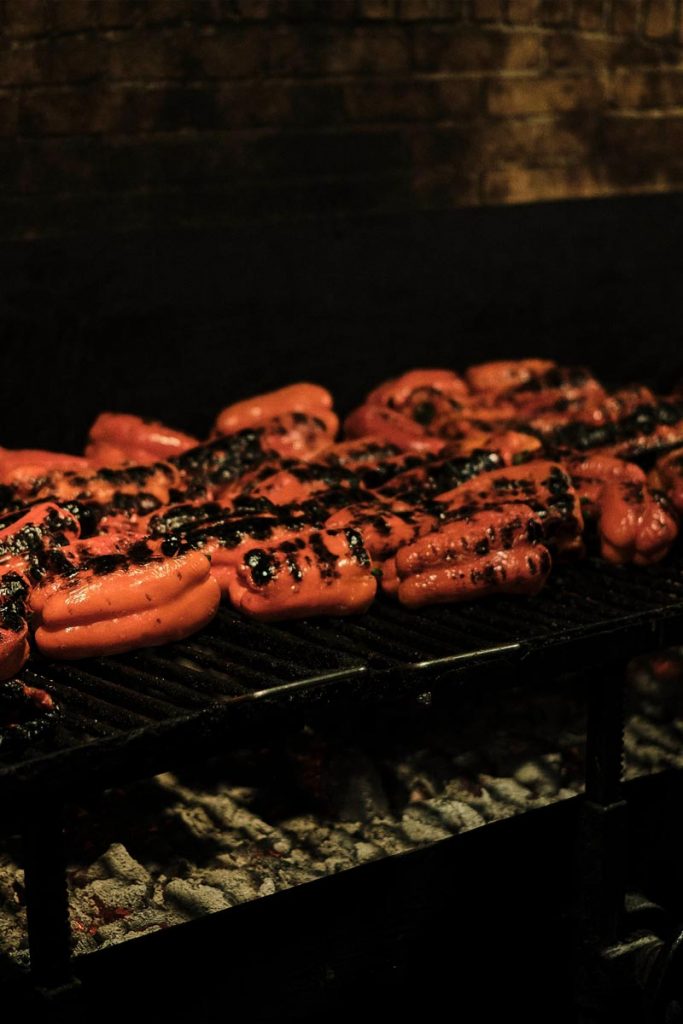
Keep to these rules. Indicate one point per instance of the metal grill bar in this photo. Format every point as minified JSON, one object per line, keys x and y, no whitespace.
{"x":129,"y":713}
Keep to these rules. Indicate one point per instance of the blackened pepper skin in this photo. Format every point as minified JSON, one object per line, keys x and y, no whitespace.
{"x":322,"y":572}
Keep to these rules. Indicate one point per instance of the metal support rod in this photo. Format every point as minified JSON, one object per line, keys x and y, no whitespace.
{"x":601,"y":854}
{"x":603,"y":820}
{"x":47,"y":902}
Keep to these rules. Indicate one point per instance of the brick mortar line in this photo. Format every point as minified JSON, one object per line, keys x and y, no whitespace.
{"x":405,"y":77}
{"x":10,"y":198}
{"x":409,"y":29}
{"x":278,"y":130}
{"x":644,"y":113}
{"x":215,"y":186}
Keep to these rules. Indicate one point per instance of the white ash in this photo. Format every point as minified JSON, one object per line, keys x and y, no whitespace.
{"x":177,"y":847}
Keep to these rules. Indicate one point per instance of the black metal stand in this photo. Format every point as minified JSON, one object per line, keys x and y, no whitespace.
{"x":630,"y":954}
{"x":601,"y":842}
{"x":47,"y":903}
{"x":603,"y":825}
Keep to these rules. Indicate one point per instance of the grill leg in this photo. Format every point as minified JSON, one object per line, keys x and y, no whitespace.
{"x":47,"y":902}
{"x":602,"y":839}
{"x":603,"y":836}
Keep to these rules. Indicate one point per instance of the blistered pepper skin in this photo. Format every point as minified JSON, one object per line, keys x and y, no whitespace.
{"x":541,"y":484}
{"x":14,"y":650}
{"x":474,"y":536}
{"x":359,"y":454}
{"x":501,"y":376}
{"x":468,"y":549}
{"x":393,"y":427}
{"x":398,"y":391}
{"x":668,"y":477}
{"x":145,"y":605}
{"x":303,"y":397}
{"x":115,"y":438}
{"x":25,"y":464}
{"x":14,"y":634}
{"x":521,"y":570}
{"x":300,"y":435}
{"x":590,"y":476}
{"x":512,"y":446}
{"x":636,"y":524}
{"x":323,"y":572}
{"x":384,"y":529}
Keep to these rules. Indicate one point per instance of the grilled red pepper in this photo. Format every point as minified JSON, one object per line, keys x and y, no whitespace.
{"x":322,"y":572}
{"x":486,"y":551}
{"x":307,"y":398}
{"x":543,"y":485}
{"x":120,"y":437}
{"x":109,"y":607}
{"x":636,"y":524}
{"x":668,"y":477}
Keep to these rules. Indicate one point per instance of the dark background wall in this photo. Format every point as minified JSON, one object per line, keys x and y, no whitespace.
{"x":203,"y":199}
{"x":121,"y":114}
{"x":175,"y":325}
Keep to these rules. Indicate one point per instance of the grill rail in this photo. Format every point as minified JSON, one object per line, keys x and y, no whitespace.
{"x":127,"y":716}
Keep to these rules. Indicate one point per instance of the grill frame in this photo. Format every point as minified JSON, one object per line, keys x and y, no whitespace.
{"x":591,"y":617}
{"x":135,"y":715}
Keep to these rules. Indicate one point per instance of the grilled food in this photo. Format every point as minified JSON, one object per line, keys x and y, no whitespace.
{"x":446,"y":489}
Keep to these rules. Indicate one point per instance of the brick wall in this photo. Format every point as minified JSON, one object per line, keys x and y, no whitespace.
{"x":117,"y":114}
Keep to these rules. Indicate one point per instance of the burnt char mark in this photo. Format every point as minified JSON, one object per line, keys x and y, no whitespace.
{"x":31,"y":539}
{"x":13,"y":586}
{"x":53,"y":562}
{"x":14,"y":592}
{"x":7,"y":496}
{"x":365,"y":452}
{"x":136,"y":476}
{"x":356,"y":547}
{"x":291,"y":552}
{"x":376,"y":476}
{"x":230,"y":533}
{"x":172,"y":546}
{"x":424,"y":413}
{"x":482,"y":547}
{"x":380,"y":524}
{"x":337,"y":497}
{"x":441,"y":476}
{"x":140,"y":553}
{"x":88,"y":516}
{"x":12,"y":619}
{"x":176,"y":519}
{"x":223,"y":459}
{"x":26,"y":714}
{"x":488,"y":575}
{"x":632,"y":492}
{"x":558,"y":483}
{"x":557,"y":377}
{"x":141,"y":504}
{"x":262,"y":566}
{"x":507,"y":532}
{"x":321,"y":472}
{"x":103,"y":565}
{"x":642,"y":422}
{"x":561,"y":493}
{"x":457,"y":471}
{"x":326,"y":559}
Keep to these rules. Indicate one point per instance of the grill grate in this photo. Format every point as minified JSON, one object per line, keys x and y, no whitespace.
{"x":133,"y":714}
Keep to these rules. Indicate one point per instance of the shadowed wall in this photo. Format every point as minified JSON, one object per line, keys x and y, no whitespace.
{"x":122,"y":114}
